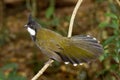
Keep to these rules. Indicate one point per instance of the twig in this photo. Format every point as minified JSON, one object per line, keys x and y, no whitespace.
{"x":48,"y":63}
{"x":69,"y":35}
{"x":118,"y":2}
{"x":73,"y":17}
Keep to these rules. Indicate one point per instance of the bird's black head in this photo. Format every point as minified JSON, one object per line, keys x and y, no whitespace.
{"x":32,"y":26}
{"x":32,"y":23}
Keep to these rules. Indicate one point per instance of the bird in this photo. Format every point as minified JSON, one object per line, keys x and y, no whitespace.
{"x":74,"y":50}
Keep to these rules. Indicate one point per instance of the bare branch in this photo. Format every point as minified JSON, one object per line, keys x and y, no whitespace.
{"x":118,"y":2}
{"x":49,"y":62}
{"x":73,"y":17}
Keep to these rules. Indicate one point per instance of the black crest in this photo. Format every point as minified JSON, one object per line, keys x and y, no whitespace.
{"x":32,"y":23}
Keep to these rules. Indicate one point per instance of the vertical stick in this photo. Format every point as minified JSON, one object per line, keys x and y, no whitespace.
{"x":73,"y":17}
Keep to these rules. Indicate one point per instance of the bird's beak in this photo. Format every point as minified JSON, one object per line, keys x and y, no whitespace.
{"x":26,"y":26}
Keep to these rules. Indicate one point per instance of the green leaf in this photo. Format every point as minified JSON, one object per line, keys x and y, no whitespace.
{"x":55,"y":21}
{"x":113,"y":66}
{"x":101,"y":72}
{"x":2,"y":76}
{"x":113,"y":8}
{"x":111,"y":15}
{"x":49,"y":12}
{"x":10,"y":65}
{"x":116,"y":58}
{"x":103,"y":56}
{"x":109,"y":40}
{"x":114,"y":24}
{"x":103,"y":25}
{"x":14,"y":76}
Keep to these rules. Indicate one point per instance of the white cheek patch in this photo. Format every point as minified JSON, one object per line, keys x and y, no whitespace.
{"x":31,"y":31}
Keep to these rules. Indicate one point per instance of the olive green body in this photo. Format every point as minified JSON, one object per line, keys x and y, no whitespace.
{"x":66,"y":49}
{"x":74,"y":50}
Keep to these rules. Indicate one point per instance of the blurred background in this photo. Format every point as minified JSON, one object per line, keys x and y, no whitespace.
{"x":20,"y":59}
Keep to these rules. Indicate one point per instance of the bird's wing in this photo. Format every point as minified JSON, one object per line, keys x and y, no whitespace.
{"x":79,"y":49}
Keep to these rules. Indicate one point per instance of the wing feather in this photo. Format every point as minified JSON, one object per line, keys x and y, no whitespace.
{"x":79,"y":49}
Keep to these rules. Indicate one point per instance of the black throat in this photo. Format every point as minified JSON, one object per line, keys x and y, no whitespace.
{"x":34,"y":37}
